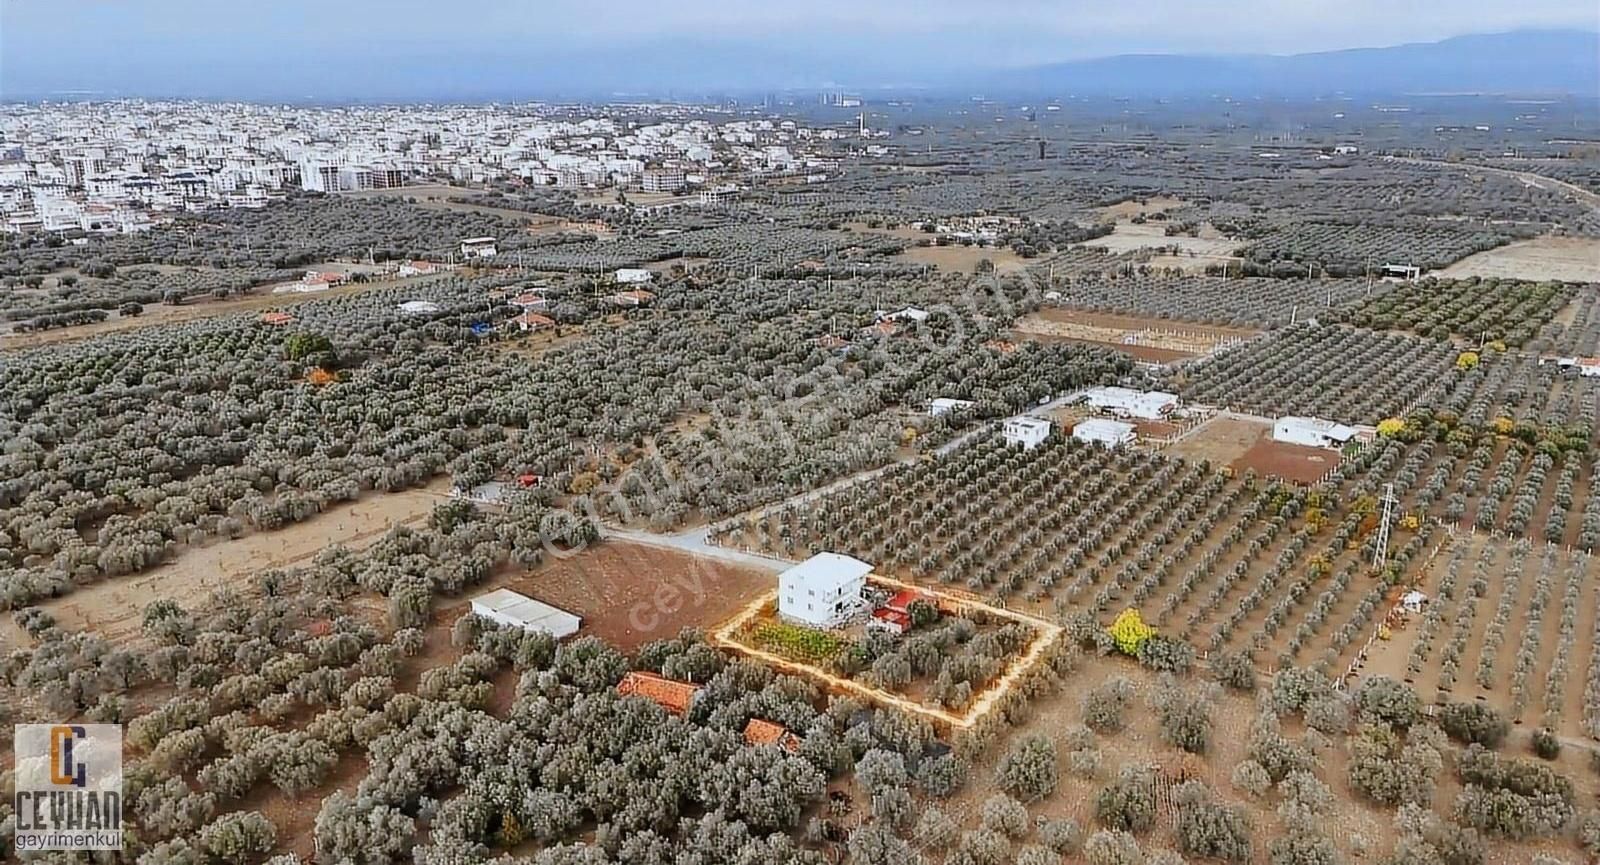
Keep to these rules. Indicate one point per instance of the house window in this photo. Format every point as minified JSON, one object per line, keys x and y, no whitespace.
{"x":810,"y":608}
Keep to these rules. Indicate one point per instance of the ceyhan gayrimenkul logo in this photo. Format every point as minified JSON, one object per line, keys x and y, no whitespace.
{"x":68,"y":787}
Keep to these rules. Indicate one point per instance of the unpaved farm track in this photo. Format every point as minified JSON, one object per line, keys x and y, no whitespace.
{"x":1578,"y":193}
{"x":115,"y":607}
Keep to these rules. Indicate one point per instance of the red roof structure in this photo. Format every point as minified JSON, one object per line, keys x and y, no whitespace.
{"x":761,"y":732}
{"x":894,"y":620}
{"x":901,"y":603}
{"x":671,"y":695}
{"x":276,"y":319}
{"x":533,"y":321}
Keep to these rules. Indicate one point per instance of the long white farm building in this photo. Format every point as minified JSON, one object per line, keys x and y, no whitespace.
{"x":1312,"y":432}
{"x":1127,"y":402}
{"x":520,"y":611}
{"x":1103,"y":431}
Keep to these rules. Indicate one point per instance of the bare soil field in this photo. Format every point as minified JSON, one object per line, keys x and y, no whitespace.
{"x":1152,"y":235}
{"x":1130,"y":209}
{"x":1531,"y":628}
{"x":963,"y":259}
{"x":115,"y":607}
{"x":1222,"y":440}
{"x":1570,"y":259}
{"x":1157,"y":340}
{"x":1296,"y":463}
{"x":630,"y":594}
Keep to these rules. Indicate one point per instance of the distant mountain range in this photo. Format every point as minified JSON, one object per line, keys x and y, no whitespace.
{"x":498,"y":68}
{"x":1524,"y":62}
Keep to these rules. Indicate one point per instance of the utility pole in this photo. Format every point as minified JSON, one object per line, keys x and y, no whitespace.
{"x":1380,"y":556}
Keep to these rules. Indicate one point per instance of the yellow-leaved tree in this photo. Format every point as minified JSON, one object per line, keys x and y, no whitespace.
{"x":1129,"y":631}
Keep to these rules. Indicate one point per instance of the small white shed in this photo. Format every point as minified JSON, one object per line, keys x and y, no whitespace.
{"x":1030,"y":432}
{"x":910,"y":313}
{"x":633,"y":276}
{"x":940,"y":406}
{"x":516,"y":610}
{"x":1103,"y":431}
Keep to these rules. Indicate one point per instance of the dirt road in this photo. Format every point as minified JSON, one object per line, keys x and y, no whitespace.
{"x":1578,"y":193}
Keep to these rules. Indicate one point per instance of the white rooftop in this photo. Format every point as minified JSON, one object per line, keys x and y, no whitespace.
{"x":522,"y":608}
{"x":828,"y":570}
{"x":1331,"y":429}
{"x":1028,"y":422}
{"x":1122,"y":397}
{"x":1100,"y":426}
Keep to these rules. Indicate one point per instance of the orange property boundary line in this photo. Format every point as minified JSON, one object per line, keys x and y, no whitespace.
{"x":1048,"y":633}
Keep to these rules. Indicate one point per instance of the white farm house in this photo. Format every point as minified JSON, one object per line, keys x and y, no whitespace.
{"x":516,"y":610}
{"x":823,"y":590}
{"x":1030,"y":432}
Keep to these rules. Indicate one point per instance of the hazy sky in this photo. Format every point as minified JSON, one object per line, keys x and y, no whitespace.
{"x":385,"y":47}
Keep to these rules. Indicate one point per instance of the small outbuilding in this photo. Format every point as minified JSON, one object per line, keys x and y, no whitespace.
{"x":1030,"y":432}
{"x":669,"y":694}
{"x":1104,"y":431}
{"x":531,"y":321}
{"x":479,"y":247}
{"x":941,"y":406}
{"x":419,"y":307}
{"x":910,"y":313}
{"x":823,"y":590}
{"x":1312,"y":432}
{"x":632,"y":298}
{"x":517,"y":610}
{"x":633,"y":276}
{"x":759,"y":731}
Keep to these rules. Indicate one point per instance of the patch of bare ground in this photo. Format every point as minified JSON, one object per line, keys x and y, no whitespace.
{"x":1134,"y":207}
{"x":1569,"y":259}
{"x":1153,"y":339}
{"x":115,"y":607}
{"x":630,"y":594}
{"x":963,"y":259}
{"x":1391,"y":657}
{"x":1298,"y":463}
{"x":1130,"y":236}
{"x":1221,"y":439}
